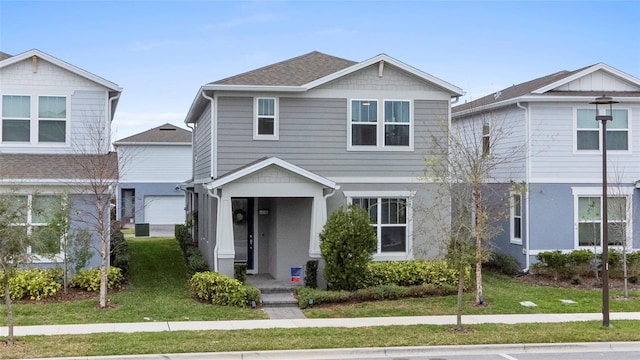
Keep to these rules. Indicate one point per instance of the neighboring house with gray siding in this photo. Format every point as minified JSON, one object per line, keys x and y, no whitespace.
{"x":279,"y":148}
{"x":153,"y":165}
{"x":55,"y":123}
{"x":561,"y":162}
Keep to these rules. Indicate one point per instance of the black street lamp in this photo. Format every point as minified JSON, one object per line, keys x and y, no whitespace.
{"x":604,"y":100}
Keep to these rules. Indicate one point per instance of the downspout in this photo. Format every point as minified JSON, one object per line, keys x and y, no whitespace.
{"x":215,"y":247}
{"x":455,"y":99}
{"x":527,"y":178}
{"x":107,"y":125}
{"x":214,"y":137}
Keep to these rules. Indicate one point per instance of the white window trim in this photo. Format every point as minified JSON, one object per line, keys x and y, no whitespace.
{"x":36,"y":129}
{"x":34,"y":122}
{"x":380,"y":146}
{"x":36,"y":258}
{"x":276,"y":120}
{"x":408,"y":195}
{"x":515,"y":240}
{"x":578,"y":192}
{"x":576,"y":151}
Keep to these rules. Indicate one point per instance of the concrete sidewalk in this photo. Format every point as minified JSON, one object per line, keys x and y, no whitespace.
{"x":306,"y":323}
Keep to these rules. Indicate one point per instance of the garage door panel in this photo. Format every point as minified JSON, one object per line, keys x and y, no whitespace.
{"x":164,"y":209}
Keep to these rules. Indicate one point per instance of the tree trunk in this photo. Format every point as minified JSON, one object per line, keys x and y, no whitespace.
{"x":624,"y":269}
{"x":460,"y":296}
{"x":479,"y":231}
{"x":7,"y":300}
{"x":103,"y":276}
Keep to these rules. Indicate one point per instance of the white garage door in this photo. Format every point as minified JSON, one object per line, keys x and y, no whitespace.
{"x":164,"y":209}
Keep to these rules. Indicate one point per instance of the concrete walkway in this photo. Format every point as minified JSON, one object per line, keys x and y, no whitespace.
{"x":306,"y":323}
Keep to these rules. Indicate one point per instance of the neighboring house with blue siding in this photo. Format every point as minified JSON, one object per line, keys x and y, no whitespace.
{"x":561,"y":159}
{"x":153,"y":165}
{"x":55,"y":126}
{"x":279,"y":148}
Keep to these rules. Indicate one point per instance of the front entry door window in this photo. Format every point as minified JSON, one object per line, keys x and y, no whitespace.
{"x":243,"y":231}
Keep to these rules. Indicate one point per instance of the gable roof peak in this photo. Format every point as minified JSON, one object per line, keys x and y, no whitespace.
{"x":163,"y":134}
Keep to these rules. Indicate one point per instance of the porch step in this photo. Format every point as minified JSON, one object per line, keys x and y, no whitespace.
{"x":278,"y":299}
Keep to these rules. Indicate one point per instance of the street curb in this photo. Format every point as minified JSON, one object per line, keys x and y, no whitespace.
{"x":383,"y":352}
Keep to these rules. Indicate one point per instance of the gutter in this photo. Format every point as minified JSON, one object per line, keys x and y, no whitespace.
{"x":214,"y":137}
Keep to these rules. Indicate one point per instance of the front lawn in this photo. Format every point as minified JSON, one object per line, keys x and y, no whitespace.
{"x":157,"y":291}
{"x":502,"y":296}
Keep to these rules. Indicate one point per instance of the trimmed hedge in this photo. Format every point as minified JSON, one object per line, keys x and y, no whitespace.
{"x":502,"y":264}
{"x":119,"y":251}
{"x":89,"y":279}
{"x":311,"y":274}
{"x":381,"y":292}
{"x":218,"y":289}
{"x":35,"y":284}
{"x":582,"y":262}
{"x":412,"y":272}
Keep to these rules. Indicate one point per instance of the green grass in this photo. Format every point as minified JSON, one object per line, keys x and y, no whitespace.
{"x":157,"y":290}
{"x":502,"y":294}
{"x":314,"y":338}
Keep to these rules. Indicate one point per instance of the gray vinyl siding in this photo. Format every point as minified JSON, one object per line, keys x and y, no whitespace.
{"x":313,"y":135}
{"x":202,"y":146}
{"x":88,"y":114}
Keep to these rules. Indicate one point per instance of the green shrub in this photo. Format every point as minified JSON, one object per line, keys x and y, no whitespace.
{"x":311,"y":274}
{"x":347,"y":244}
{"x":579,"y":262}
{"x":240,"y":272}
{"x":253,"y":294}
{"x":119,"y":255}
{"x":195,"y":261}
{"x":183,"y":237}
{"x":89,"y":279}
{"x":614,"y":258}
{"x":412,"y":272}
{"x":633,"y":263}
{"x":218,"y":289}
{"x":554,"y":262}
{"x":36,"y":284}
{"x":502,"y":264}
{"x":382,"y":292}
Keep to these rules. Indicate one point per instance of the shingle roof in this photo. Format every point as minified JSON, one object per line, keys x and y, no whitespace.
{"x":65,"y":167}
{"x":515,"y":91}
{"x":293,"y":72}
{"x":166,"y":133}
{"x":4,"y":56}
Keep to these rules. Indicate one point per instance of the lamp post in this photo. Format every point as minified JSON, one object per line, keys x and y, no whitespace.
{"x":604,"y":100}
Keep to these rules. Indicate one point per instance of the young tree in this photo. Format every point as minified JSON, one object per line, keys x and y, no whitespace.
{"x":474,"y":163}
{"x":14,"y":242}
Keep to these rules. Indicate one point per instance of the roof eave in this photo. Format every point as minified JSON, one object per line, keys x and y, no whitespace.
{"x":594,"y":68}
{"x":65,"y":65}
{"x":454,"y":90}
{"x":265,"y":88}
{"x":138,"y":143}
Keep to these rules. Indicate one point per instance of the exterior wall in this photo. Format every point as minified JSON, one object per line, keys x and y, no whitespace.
{"x":553,"y":142}
{"x":155,"y":163}
{"x":84,"y":205}
{"x":86,"y":105}
{"x":293,"y":219}
{"x":202,"y":146}
{"x":313,"y":135}
{"x":207,"y":214}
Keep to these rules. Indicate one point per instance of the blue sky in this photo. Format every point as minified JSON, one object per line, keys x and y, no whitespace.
{"x":161,"y":52}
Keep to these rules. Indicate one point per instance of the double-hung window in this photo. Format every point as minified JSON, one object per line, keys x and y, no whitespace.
{"x":265,"y":126}
{"x":52,"y":119}
{"x":588,"y":136}
{"x":516,"y":218}
{"x":380,"y":125}
{"x":390,"y":216}
{"x":16,"y":118}
{"x":34,"y":217}
{"x":590,"y":220}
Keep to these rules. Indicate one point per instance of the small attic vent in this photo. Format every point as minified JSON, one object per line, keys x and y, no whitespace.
{"x":167,"y":129}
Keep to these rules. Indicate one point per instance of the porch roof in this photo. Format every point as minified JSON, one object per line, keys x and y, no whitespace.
{"x":264,"y":163}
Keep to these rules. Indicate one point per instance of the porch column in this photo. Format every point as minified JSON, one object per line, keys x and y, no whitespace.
{"x":224,"y":230}
{"x":318,"y":219}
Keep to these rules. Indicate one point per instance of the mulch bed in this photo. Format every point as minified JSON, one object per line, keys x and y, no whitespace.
{"x":586,"y":282}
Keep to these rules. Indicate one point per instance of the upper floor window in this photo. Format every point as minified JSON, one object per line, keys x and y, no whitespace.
{"x":51,"y":121}
{"x":486,"y":139}
{"x":588,"y":130}
{"x":16,"y":118}
{"x":370,"y":131}
{"x":516,"y":218}
{"x":265,"y":126}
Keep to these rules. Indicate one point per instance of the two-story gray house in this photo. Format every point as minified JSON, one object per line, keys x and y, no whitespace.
{"x":551,"y":121}
{"x":279,"y":148}
{"x":54,"y":141}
